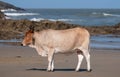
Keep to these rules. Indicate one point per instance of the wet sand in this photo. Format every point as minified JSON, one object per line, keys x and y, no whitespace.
{"x":16,"y":61}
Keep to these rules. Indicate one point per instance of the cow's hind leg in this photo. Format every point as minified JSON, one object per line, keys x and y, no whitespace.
{"x":50,"y":60}
{"x":80,"y":58}
{"x":87,"y":57}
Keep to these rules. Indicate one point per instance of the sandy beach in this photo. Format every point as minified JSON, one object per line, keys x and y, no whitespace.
{"x":17,"y":61}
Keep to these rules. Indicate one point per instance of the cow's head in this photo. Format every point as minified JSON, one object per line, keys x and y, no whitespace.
{"x":28,"y":39}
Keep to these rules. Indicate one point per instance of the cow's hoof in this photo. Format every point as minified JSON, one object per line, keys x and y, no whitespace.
{"x":89,"y":70}
{"x":76,"y":70}
{"x":50,"y":70}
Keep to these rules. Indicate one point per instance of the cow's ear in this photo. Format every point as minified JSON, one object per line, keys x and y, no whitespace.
{"x":31,"y":29}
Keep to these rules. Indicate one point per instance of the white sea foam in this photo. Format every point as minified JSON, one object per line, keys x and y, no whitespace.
{"x":20,"y":14}
{"x":107,"y":14}
{"x":61,"y":19}
{"x":39,"y":19}
{"x":4,"y":10}
{"x":65,"y":20}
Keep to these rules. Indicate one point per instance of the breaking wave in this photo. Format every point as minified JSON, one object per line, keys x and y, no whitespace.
{"x":107,"y":14}
{"x":20,"y":14}
{"x":39,"y":19}
{"x":5,"y":10}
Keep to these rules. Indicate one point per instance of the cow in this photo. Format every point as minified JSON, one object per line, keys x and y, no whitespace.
{"x":48,"y":42}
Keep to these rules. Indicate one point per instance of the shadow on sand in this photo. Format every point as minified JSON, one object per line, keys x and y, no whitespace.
{"x":37,"y":69}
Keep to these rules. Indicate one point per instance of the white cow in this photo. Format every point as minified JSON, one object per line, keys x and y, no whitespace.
{"x":48,"y":42}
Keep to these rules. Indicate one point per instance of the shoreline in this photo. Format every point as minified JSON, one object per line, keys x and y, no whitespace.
{"x":93,"y":45}
{"x":98,"y":42}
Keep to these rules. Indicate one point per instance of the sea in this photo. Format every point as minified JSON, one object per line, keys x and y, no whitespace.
{"x":84,"y":17}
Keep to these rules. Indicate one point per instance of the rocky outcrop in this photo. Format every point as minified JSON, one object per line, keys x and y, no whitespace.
{"x":10,"y":29}
{"x":4,"y":5}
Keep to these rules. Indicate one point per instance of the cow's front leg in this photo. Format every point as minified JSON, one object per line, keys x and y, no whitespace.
{"x":50,"y":60}
{"x":52,"y":67}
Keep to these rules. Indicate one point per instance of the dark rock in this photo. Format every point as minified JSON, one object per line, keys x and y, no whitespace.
{"x":15,"y":29}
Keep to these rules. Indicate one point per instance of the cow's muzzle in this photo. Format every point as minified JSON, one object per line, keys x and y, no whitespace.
{"x":26,"y":44}
{"x":21,"y":44}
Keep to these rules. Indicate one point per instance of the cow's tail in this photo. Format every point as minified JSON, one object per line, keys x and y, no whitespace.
{"x":89,"y":46}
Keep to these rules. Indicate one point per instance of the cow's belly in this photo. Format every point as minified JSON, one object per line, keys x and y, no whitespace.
{"x":59,"y":50}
